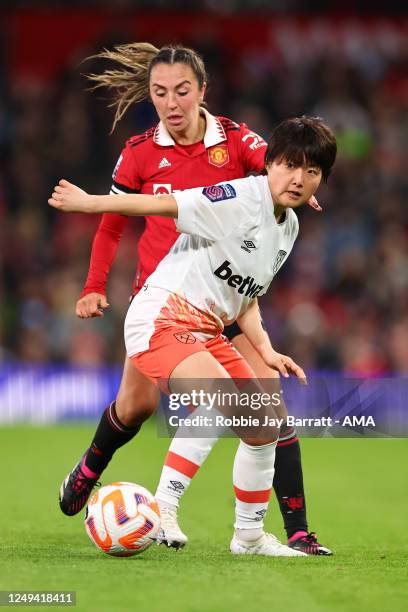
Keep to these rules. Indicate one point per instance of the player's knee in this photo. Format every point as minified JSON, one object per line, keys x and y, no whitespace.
{"x":261,"y":441}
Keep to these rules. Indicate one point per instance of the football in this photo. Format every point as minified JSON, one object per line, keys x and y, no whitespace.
{"x":122,"y":519}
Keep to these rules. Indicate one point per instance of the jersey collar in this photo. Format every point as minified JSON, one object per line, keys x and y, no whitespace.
{"x":214,"y":133}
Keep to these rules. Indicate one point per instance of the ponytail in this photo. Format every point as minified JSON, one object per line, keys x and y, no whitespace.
{"x":130,"y":81}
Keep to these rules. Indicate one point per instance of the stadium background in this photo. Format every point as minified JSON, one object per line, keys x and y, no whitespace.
{"x":339,"y":305}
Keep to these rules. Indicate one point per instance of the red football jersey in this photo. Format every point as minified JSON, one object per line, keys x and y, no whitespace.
{"x":154,"y":163}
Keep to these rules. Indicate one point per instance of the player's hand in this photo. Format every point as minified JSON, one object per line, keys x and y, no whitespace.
{"x":70,"y":198}
{"x":284,"y":365}
{"x":91,"y":305}
{"x":314,"y":204}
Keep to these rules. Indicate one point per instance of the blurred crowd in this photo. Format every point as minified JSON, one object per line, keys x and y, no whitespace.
{"x":223,"y":6}
{"x":341,"y":301}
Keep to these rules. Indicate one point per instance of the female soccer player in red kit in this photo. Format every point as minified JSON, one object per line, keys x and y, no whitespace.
{"x":188,"y":148}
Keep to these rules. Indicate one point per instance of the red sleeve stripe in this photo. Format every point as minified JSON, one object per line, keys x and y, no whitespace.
{"x":287,"y":442}
{"x":252,"y":497}
{"x":181,"y":464}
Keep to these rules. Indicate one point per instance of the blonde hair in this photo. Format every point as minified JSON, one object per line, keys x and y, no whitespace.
{"x":130,"y":82}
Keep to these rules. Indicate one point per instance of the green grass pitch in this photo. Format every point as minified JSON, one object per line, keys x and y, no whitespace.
{"x":357,"y":500}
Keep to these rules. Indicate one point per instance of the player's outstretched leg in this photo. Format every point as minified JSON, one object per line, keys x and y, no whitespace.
{"x":77,"y":486}
{"x":288,"y":480}
{"x":289,"y":489}
{"x":183,"y":460}
{"x":253,"y":475}
{"x":76,"y":489}
{"x":120,"y":422}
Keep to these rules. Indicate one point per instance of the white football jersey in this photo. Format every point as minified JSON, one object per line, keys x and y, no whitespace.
{"x":229,"y":250}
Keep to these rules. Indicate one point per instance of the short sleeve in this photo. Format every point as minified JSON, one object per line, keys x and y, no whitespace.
{"x":252,"y":150}
{"x":218,"y":211}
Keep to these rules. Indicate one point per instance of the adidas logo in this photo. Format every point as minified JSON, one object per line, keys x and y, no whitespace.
{"x":164,"y":163}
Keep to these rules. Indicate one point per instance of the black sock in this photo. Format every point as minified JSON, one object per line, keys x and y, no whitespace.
{"x":110,"y":435}
{"x":288,"y":483}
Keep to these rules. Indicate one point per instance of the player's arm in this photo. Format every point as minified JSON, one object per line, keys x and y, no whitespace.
{"x":93,"y":300}
{"x":70,"y":198}
{"x":210,"y":212}
{"x":251,"y":325}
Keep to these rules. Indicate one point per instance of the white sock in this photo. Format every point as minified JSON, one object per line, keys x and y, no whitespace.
{"x":163,"y":505}
{"x":253,"y":477}
{"x":184,"y":458}
{"x":249,"y":535}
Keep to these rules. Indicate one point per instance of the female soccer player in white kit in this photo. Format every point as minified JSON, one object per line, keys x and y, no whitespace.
{"x":188,"y":148}
{"x":209,"y":279}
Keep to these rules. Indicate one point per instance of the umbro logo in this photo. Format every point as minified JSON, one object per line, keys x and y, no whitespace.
{"x":176,"y":486}
{"x":164,"y":163}
{"x":248,"y":246}
{"x":260,"y":515}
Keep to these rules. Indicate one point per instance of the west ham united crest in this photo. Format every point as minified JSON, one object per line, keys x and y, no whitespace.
{"x":218,"y":155}
{"x":185,"y":337}
{"x":278,"y":261}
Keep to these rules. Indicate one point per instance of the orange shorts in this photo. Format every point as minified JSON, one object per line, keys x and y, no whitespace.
{"x":171,"y":344}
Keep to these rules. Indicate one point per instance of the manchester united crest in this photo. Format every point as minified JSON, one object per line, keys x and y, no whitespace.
{"x":218,"y":155}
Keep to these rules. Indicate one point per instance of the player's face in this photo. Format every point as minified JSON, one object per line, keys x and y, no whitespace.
{"x":292,"y":185}
{"x":176,"y":96}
